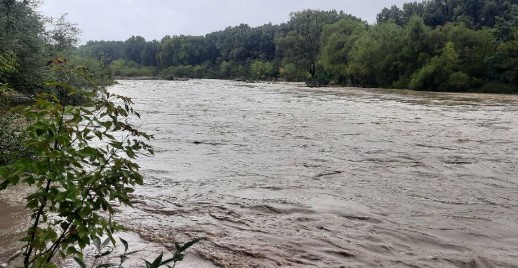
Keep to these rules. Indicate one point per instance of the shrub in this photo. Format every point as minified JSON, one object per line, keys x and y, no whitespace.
{"x":83,"y":161}
{"x":12,"y":139}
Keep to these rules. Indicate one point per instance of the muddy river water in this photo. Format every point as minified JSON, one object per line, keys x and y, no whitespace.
{"x":276,"y":175}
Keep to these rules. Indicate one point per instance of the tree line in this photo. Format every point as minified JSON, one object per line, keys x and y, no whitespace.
{"x":31,"y":44}
{"x":446,"y":45}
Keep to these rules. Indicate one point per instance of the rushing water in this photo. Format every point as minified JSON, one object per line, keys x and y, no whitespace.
{"x":275,"y":175}
{"x":281,"y":175}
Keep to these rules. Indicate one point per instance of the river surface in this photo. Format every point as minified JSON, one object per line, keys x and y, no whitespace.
{"x":276,"y":175}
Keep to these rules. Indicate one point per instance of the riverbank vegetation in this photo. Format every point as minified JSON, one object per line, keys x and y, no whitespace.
{"x":67,"y":140}
{"x":440,"y":45}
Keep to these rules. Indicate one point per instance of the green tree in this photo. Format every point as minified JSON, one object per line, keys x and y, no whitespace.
{"x":392,"y":15}
{"x":415,"y":50}
{"x":261,"y":70}
{"x":475,"y":47}
{"x":134,"y":46}
{"x":337,"y":42}
{"x":20,"y":38}
{"x":504,"y":64}
{"x":60,"y":35}
{"x":391,"y":54}
{"x":441,"y":73}
{"x":149,"y":53}
{"x":362,"y":61}
{"x":104,"y":51}
{"x":300,"y":45}
{"x":292,"y":72}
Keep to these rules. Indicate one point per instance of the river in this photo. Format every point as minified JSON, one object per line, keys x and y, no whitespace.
{"x":276,"y":175}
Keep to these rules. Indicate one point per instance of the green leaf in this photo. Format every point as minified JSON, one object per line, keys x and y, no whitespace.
{"x":158,"y":260}
{"x":79,"y":261}
{"x":106,"y":242}
{"x":165,"y":262}
{"x":189,"y":244}
{"x":125,"y":243}
{"x":105,"y":265}
{"x":72,"y":251}
{"x":97,"y":243}
{"x":106,"y":253}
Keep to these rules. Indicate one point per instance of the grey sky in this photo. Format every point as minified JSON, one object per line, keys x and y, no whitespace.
{"x":153,"y":19}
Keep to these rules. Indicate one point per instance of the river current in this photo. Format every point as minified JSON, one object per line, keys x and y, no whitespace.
{"x":276,"y":175}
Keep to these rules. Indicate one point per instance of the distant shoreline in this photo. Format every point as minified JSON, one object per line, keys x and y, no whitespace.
{"x":304,"y":84}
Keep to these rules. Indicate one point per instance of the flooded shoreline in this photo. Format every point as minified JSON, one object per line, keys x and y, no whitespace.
{"x":276,"y":175}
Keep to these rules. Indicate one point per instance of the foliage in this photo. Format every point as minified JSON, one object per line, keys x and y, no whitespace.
{"x":292,"y":72}
{"x":338,"y":40}
{"x":301,"y":43}
{"x":182,"y":71}
{"x":20,"y":43}
{"x":131,"y":69}
{"x":473,"y":13}
{"x":262,"y":70}
{"x":106,"y":250}
{"x":505,"y":61}
{"x":73,"y":144}
{"x":83,"y":161}
{"x":363,"y":61}
{"x":400,"y":51}
{"x":11,"y":139}
{"x":60,"y":35}
{"x":7,"y":66}
{"x":27,"y":42}
{"x":436,"y":74}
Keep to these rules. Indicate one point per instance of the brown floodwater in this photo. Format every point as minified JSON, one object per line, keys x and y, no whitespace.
{"x":13,"y":222}
{"x":277,"y":175}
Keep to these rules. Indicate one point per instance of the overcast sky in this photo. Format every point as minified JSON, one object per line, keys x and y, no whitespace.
{"x":154,"y":19}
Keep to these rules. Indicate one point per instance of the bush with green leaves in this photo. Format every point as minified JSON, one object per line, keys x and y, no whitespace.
{"x":262,"y":70}
{"x":83,"y":161}
{"x":11,"y":139}
{"x":127,"y":68}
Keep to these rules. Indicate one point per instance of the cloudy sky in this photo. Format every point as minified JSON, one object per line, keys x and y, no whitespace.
{"x":153,"y":19}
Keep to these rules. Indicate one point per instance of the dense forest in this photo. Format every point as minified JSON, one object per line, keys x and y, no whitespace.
{"x":443,"y":45}
{"x":446,"y":45}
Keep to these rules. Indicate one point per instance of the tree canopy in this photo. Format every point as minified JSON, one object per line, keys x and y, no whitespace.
{"x":404,"y":49}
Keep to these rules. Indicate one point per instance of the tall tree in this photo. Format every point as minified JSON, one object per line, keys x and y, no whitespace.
{"x":338,"y":40}
{"x":134,"y":47}
{"x":301,"y":43}
{"x":20,"y":40}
